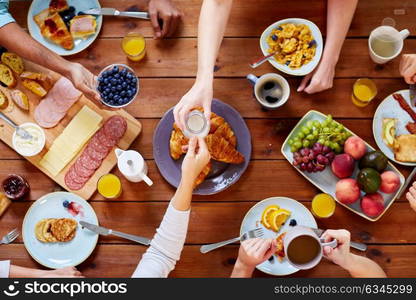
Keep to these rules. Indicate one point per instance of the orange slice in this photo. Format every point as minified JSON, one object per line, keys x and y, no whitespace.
{"x":265,"y":217}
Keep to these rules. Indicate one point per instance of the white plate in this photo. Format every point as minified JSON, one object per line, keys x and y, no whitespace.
{"x":252,"y":220}
{"x":326,"y":180}
{"x":79,"y":44}
{"x":305,"y":69}
{"x":390,"y":108}
{"x":59,"y":255}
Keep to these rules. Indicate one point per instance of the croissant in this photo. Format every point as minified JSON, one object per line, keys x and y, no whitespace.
{"x":226,"y":132}
{"x":204,"y":173}
{"x":177,"y":141}
{"x":216,"y":120}
{"x":222,"y":150}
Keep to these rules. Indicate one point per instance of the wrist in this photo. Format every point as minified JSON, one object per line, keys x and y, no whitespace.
{"x":204,"y":78}
{"x":242,"y":269}
{"x":348,"y":263}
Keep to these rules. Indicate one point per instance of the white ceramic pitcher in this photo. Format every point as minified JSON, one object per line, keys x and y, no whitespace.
{"x":132,"y":165}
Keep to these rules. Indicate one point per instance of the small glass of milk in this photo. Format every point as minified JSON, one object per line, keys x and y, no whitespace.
{"x":196,"y":124}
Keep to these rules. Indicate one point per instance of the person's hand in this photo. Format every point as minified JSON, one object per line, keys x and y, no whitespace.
{"x":199,"y":95}
{"x":68,"y":272}
{"x":196,"y":158}
{"x":318,"y":80}
{"x":166,"y":12}
{"x":252,"y":253}
{"x":341,"y":255}
{"x":411,"y":196}
{"x":83,"y":80}
{"x":408,"y":68}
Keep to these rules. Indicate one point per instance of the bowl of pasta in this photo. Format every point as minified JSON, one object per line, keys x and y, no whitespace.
{"x":297,"y":44}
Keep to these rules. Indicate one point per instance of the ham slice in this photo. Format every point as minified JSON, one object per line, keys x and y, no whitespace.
{"x":53,"y":108}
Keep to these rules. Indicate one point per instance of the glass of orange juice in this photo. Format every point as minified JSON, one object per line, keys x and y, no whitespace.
{"x":134,"y":46}
{"x":109,"y":186}
{"x":363,"y":91}
{"x":323,"y":206}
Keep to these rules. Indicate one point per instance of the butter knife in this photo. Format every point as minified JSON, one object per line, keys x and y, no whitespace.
{"x":106,"y":11}
{"x":412,"y":93}
{"x":104,"y":231}
{"x":355,"y":245}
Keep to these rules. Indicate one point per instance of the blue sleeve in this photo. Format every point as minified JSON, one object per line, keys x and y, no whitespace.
{"x":5,"y":16}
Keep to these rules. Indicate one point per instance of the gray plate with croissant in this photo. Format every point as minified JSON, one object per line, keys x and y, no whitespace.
{"x":229,"y":143}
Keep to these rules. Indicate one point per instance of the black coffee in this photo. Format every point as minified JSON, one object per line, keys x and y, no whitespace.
{"x":270,"y":91}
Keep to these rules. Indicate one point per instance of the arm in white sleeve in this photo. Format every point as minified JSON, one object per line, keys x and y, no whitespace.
{"x":166,"y":247}
{"x":4,"y":268}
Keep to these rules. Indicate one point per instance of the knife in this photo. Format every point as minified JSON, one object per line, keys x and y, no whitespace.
{"x":355,"y":245}
{"x":106,"y":11}
{"x":412,"y":93}
{"x":104,"y":231}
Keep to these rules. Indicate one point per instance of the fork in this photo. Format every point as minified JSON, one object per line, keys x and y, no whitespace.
{"x":10,"y":237}
{"x":254,"y":233}
{"x":19,"y":130}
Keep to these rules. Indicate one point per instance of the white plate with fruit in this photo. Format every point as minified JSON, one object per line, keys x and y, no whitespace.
{"x":390,"y":122}
{"x":270,"y":214}
{"x":358,"y":177}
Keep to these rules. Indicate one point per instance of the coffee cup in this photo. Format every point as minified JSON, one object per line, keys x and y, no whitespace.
{"x":271,"y":90}
{"x":303,"y":247}
{"x":385,"y":43}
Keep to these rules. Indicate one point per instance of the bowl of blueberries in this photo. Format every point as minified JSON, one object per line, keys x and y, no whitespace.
{"x":118,"y":85}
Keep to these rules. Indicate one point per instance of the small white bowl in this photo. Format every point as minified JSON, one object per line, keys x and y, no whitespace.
{"x":41,"y":143}
{"x":305,"y":69}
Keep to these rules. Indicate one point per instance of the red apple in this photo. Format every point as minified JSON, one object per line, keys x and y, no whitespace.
{"x":372,"y":204}
{"x":347,"y":191}
{"x":355,"y":147}
{"x":390,"y":182}
{"x":343,"y":165}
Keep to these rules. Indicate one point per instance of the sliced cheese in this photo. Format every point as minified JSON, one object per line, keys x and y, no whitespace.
{"x":67,"y":145}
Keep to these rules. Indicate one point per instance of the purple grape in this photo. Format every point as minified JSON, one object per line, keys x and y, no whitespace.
{"x":326,"y":149}
{"x":304,"y":152}
{"x":320,"y":168}
{"x":311,"y":155}
{"x":330,"y":156}
{"x":310,"y":167}
{"x":303,"y":166}
{"x":295,"y":163}
{"x":317,"y":147}
{"x":305,"y":159}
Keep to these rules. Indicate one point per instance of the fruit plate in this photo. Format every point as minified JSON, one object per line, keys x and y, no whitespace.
{"x":252,"y":220}
{"x":326,"y":180}
{"x":390,"y":108}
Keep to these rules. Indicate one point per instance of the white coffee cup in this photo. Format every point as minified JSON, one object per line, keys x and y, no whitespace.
{"x":299,"y":231}
{"x":132,"y":165}
{"x":391,"y":37}
{"x":258,"y":83}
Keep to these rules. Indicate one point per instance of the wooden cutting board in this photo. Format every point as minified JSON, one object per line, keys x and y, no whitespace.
{"x":20,"y":116}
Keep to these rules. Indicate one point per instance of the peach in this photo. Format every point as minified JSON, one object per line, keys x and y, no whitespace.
{"x":390,"y":182}
{"x":347,"y":191}
{"x":355,"y":147}
{"x":372,"y":204}
{"x":343,"y":165}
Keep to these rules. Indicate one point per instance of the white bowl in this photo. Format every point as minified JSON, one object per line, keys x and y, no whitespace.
{"x":305,"y":69}
{"x":42,"y":140}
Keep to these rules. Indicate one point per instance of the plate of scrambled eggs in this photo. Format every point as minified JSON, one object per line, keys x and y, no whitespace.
{"x":298,"y":45}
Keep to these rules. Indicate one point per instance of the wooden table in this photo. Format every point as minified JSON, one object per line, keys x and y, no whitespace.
{"x":166,"y":74}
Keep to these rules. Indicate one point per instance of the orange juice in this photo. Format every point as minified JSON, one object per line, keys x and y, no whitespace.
{"x":323,"y":206}
{"x":134,"y":46}
{"x":109,"y":186}
{"x":364,"y":90}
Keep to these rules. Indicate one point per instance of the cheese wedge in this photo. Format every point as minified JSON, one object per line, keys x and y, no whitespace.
{"x":67,"y":145}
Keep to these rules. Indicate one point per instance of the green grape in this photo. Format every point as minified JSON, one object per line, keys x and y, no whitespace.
{"x":329,"y":118}
{"x":290,"y":142}
{"x":341,"y":127}
{"x":293,"y":149}
{"x":325,"y":123}
{"x":333,"y":145}
{"x":305,"y":130}
{"x":315,"y":132}
{"x":327,"y":143}
{"x":317,"y":124}
{"x":297,"y":144}
{"x":309,"y":124}
{"x":338,"y":149}
{"x":321,"y":141}
{"x":310,"y":137}
{"x":306,"y":143}
{"x":300,"y":135}
{"x":326,"y":130}
{"x":337,"y":130}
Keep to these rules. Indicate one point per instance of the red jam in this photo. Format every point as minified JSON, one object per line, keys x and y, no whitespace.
{"x":16,"y":187}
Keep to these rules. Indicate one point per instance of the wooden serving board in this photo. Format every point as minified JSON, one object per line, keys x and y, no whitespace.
{"x":20,"y":116}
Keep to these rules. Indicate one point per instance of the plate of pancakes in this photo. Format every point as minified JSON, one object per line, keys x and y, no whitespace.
{"x":52,"y":234}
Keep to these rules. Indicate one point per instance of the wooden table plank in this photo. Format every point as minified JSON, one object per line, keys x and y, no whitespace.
{"x":208,"y":219}
{"x":250,"y":19}
{"x":263,"y":179}
{"x":163,"y":56}
{"x":395,"y":260}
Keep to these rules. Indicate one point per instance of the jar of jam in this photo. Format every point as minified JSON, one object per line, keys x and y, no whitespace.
{"x":16,"y":187}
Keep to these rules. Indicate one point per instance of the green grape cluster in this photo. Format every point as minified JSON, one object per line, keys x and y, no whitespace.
{"x":329,"y":133}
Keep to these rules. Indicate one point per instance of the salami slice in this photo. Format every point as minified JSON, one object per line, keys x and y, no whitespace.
{"x":70,"y":183}
{"x":97,"y":145}
{"x":115,"y":127}
{"x":106,"y":140}
{"x":83,"y":171}
{"x":87,"y":162}
{"x":94,"y":154}
{"x":77,"y":178}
